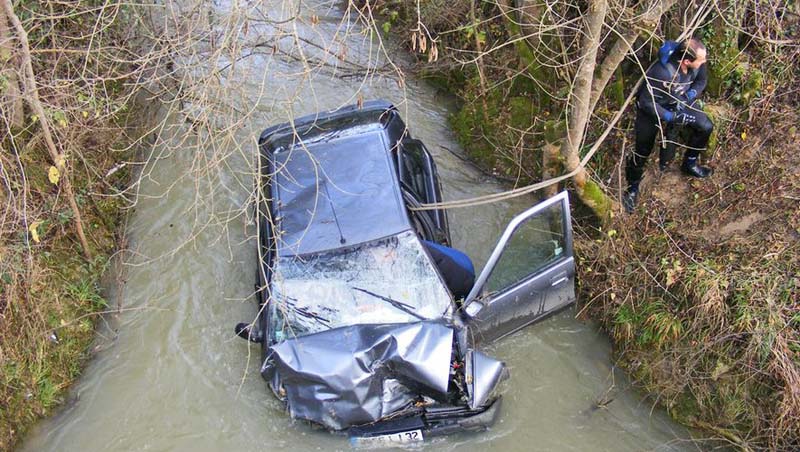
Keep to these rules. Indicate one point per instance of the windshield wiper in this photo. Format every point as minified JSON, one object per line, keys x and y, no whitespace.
{"x":304,"y":312}
{"x":407,"y":308}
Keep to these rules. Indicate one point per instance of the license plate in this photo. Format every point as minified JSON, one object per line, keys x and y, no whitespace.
{"x":411,"y":436}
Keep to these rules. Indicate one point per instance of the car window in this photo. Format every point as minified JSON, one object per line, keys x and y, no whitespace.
{"x":535,"y":244}
{"x":390,"y":280}
{"x":412,"y":170}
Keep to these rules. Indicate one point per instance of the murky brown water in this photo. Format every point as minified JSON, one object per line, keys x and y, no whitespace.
{"x":172,"y":376}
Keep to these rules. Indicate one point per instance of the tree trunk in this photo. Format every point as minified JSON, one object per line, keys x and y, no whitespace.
{"x":647,"y":21}
{"x":32,"y":95}
{"x":551,"y":156}
{"x":12,"y":97}
{"x":479,"y":62}
{"x":578,"y":111}
{"x":522,"y":23}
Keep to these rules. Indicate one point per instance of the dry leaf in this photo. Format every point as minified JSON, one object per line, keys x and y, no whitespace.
{"x":34,"y":229}
{"x":53,"y":174}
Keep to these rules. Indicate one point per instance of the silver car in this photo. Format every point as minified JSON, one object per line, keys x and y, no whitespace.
{"x":366,"y":324}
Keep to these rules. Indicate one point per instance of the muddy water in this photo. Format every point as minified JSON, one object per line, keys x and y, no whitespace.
{"x":170,"y":375}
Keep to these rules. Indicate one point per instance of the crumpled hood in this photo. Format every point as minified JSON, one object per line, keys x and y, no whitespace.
{"x":358,"y":374}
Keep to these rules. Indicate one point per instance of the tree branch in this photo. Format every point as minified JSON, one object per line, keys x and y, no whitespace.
{"x":623,"y":44}
{"x":32,"y":96}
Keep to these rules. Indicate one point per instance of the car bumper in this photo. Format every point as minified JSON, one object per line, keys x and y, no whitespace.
{"x":432,"y":422}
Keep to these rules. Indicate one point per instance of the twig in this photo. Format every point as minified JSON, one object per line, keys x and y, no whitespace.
{"x":32,"y":96}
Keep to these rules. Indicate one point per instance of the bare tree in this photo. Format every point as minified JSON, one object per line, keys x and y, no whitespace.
{"x":579,"y":108}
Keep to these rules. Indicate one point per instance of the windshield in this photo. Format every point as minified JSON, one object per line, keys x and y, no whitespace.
{"x":390,"y":280}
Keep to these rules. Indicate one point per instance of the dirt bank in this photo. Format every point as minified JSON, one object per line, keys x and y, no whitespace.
{"x":700,"y":288}
{"x":64,"y":135}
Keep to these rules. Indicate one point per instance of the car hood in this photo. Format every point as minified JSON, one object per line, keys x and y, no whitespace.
{"x":360,"y":374}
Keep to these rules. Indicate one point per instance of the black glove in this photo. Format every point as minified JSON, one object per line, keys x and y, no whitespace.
{"x":683,"y":118}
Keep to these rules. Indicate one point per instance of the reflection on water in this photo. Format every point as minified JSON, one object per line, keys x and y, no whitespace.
{"x":172,"y":375}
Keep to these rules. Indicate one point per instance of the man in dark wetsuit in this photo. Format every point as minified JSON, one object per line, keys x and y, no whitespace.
{"x":668,"y":101}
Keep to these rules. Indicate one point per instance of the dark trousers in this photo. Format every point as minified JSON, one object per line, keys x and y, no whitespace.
{"x":646,"y":129}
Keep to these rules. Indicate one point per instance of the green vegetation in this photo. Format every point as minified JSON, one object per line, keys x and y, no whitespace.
{"x":49,"y":291}
{"x":703,"y":307}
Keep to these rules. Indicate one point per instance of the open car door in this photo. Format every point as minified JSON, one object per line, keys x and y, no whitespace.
{"x":530,"y":274}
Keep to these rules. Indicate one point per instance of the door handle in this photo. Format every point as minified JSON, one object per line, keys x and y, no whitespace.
{"x":558,"y":280}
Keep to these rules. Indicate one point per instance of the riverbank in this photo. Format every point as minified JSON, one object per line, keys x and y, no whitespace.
{"x":699,"y":289}
{"x":50,"y":296}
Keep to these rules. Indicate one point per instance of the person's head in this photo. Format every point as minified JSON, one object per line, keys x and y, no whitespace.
{"x":691,"y":54}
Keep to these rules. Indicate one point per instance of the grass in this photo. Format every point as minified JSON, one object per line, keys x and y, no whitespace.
{"x":702,"y":312}
{"x":50,"y":296}
{"x":48,"y":325}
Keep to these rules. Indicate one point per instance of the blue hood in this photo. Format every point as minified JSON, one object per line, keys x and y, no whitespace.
{"x":666,"y":50}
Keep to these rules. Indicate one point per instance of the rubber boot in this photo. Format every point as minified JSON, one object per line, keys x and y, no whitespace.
{"x":690,"y":167}
{"x":665,"y":156}
{"x":667,"y":152}
{"x":630,"y":198}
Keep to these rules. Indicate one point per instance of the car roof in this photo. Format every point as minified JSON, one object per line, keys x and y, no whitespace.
{"x":338,"y":187}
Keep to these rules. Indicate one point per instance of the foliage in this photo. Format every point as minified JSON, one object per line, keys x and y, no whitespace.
{"x":49,"y":295}
{"x":705,"y":313}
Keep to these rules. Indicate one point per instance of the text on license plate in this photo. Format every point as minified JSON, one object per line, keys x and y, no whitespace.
{"x":411,"y":436}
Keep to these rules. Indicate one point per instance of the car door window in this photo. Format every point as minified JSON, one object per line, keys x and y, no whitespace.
{"x":412,"y":171}
{"x":536,"y":243}
{"x":531,"y":272}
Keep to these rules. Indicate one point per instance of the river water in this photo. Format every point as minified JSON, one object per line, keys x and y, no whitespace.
{"x":169,"y":374}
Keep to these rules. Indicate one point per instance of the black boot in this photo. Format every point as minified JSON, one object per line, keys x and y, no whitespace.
{"x":630,"y":198}
{"x":665,"y":156}
{"x":690,"y":167}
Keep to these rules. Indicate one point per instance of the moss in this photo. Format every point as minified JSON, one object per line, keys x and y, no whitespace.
{"x":444,"y":81}
{"x":522,"y":111}
{"x":554,"y":130}
{"x":720,"y":115}
{"x":523,"y":85}
{"x":752,"y":86}
{"x":594,"y":196}
{"x":618,"y":88}
{"x":723,"y":55}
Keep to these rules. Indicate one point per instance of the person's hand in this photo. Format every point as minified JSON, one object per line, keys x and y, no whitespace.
{"x":683,"y":118}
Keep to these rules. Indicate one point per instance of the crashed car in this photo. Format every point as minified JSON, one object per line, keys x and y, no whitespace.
{"x":363,"y":326}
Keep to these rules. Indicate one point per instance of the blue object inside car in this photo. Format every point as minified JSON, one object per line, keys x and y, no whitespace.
{"x":455,"y":266}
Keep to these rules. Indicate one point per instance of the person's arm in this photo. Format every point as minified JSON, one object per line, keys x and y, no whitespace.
{"x":652,"y":93}
{"x":698,"y":84}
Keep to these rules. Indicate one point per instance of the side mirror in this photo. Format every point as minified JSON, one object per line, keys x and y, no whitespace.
{"x":244,"y":331}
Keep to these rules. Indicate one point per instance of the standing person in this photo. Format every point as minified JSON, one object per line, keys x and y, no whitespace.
{"x":666,"y":101}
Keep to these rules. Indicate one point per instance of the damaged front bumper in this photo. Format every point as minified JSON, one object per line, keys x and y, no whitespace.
{"x":435,"y":421}
{"x":386,"y":382}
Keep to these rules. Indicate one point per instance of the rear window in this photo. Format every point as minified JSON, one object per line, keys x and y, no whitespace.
{"x":326,"y":129}
{"x":390,"y":280}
